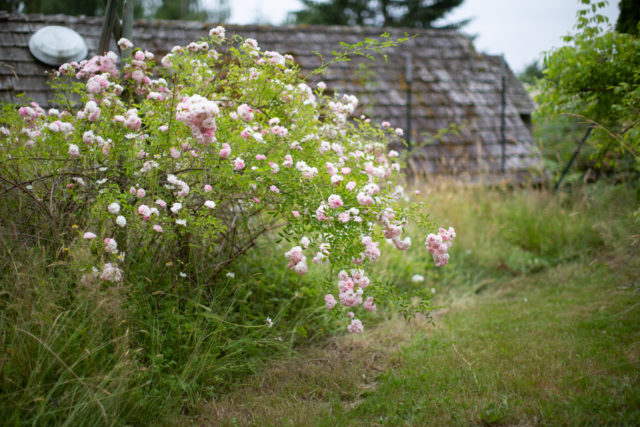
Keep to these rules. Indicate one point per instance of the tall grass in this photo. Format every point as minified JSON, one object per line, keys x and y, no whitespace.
{"x":84,"y":353}
{"x":505,"y":232}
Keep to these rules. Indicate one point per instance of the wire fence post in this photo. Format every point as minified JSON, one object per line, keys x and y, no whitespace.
{"x":573,"y":157}
{"x":503,"y":100}
{"x":408,"y":75}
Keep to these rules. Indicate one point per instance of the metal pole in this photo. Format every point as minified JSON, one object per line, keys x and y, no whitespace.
{"x":502,"y":113}
{"x":575,"y":154}
{"x":408,"y":75}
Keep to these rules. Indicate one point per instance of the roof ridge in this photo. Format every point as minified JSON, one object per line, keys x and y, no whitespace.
{"x":352,"y":29}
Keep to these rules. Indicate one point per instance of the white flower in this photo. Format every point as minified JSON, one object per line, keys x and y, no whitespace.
{"x":182,"y":274}
{"x":417,"y":278}
{"x":121,"y":221}
{"x":231,"y":275}
{"x":182,"y":222}
{"x":176,"y":207}
{"x":269,"y":322}
{"x":210,"y":204}
{"x":113,"y":208}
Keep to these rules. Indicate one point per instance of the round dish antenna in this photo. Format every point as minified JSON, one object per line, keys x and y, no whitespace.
{"x":55,"y":45}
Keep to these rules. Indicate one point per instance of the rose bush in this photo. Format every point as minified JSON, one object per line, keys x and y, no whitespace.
{"x":186,"y":163}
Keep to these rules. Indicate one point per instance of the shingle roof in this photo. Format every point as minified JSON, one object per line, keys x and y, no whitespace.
{"x":452,"y":83}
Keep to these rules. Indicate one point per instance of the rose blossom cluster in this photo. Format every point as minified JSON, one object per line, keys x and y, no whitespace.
{"x":438,"y":245}
{"x":351,"y":288}
{"x":200,"y":115}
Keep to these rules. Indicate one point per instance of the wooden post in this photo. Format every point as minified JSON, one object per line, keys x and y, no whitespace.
{"x":110,"y":16}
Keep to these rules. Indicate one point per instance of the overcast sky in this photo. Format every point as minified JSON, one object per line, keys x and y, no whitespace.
{"x":521,"y":29}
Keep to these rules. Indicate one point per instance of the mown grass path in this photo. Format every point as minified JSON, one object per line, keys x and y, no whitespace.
{"x":557,"y":347}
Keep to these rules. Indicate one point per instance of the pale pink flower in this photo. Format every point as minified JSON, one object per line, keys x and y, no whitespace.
{"x":110,"y":245}
{"x":111,"y":273}
{"x":295,"y":214}
{"x":401,"y":244}
{"x":304,"y":242}
{"x":207,"y":188}
{"x":320,"y":213}
{"x":350,"y":298}
{"x":301,"y":268}
{"x":210,"y":204}
{"x":274,"y":189}
{"x":344,"y":217}
{"x":238,"y":164}
{"x":158,"y":228}
{"x":335,"y":201}
{"x":364,"y":199}
{"x":369,"y":305}
{"x":329,"y":301}
{"x":140,"y":193}
{"x":355,"y":327}
{"x":124,"y":44}
{"x":245,"y":112}
{"x":225,"y":151}
{"x":350,"y":185}
{"x":89,"y":235}
{"x":144,"y":212}
{"x":74,"y":151}
{"x":88,"y":137}
{"x":161,"y":203}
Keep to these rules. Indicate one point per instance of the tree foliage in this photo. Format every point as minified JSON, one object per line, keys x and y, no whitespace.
{"x":596,"y":77}
{"x":158,"y":9}
{"x":629,"y":17}
{"x":386,"y":13}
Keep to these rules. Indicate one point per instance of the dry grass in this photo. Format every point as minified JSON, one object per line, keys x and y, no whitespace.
{"x":305,"y":387}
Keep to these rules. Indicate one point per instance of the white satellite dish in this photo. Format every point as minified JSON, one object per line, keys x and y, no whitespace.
{"x":56,"y":45}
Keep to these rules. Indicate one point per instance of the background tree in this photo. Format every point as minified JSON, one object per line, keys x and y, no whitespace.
{"x":158,"y":9}
{"x":531,"y":73}
{"x":629,"y":17}
{"x":594,"y":79}
{"x":387,"y":13}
